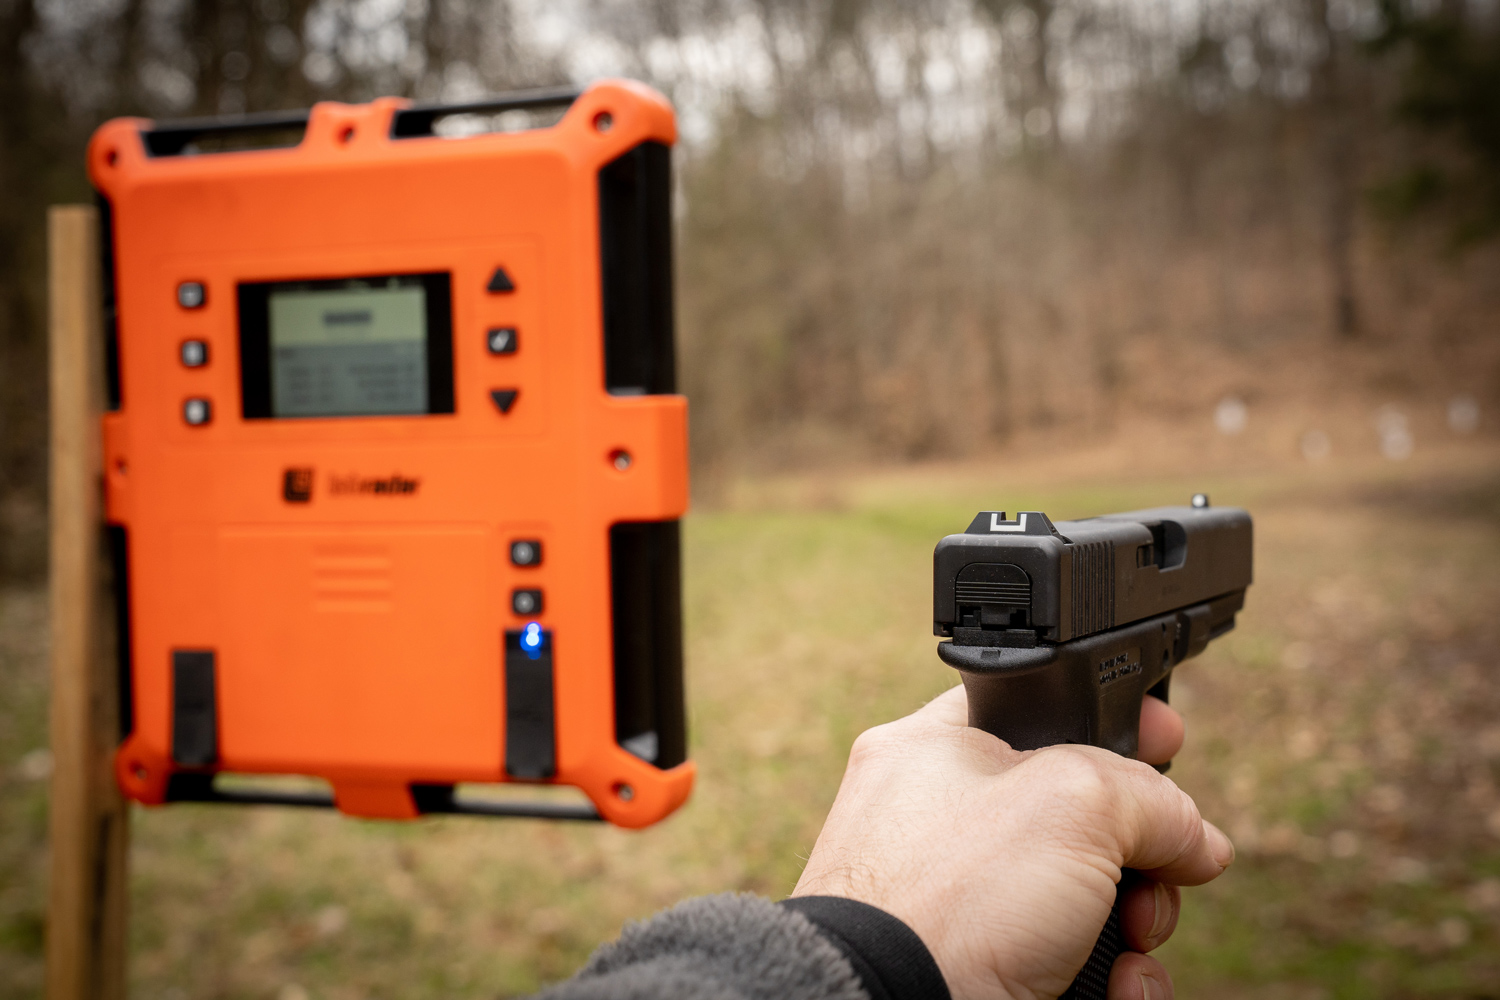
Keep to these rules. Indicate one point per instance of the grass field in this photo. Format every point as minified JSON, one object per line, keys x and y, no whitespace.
{"x":1347,"y":734}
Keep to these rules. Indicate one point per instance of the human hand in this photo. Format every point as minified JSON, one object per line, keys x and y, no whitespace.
{"x":1005,"y":862}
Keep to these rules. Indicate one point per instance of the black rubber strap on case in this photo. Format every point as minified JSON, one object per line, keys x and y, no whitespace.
{"x":889,"y":958}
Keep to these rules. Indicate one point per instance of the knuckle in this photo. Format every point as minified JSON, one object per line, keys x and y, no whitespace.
{"x":1078,"y":773}
{"x":872,"y":745}
{"x":981,"y":743}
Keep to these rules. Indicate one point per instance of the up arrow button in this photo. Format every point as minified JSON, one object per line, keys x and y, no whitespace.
{"x":500,"y":282}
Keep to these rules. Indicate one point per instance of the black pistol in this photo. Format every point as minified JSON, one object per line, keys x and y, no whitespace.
{"x":1060,"y":630}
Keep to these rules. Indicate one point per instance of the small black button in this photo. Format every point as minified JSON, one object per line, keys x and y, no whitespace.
{"x":504,"y":398}
{"x":526,"y":552}
{"x":502,"y":340}
{"x":191,"y":294}
{"x":526,"y":602}
{"x":197,"y":412}
{"x":194,"y":353}
{"x":500,"y":282}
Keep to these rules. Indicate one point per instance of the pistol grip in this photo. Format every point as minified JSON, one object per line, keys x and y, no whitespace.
{"x":1085,"y":691}
{"x":1092,"y":981}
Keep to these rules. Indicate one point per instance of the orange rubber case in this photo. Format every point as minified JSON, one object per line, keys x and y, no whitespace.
{"x":359,"y":636}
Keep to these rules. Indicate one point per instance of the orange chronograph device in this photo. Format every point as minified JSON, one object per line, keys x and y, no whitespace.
{"x":394,"y":457}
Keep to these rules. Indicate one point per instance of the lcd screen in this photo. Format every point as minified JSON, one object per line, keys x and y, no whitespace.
{"x":369,"y":346}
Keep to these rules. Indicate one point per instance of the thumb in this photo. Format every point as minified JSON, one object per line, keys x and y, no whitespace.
{"x":1161,"y":832}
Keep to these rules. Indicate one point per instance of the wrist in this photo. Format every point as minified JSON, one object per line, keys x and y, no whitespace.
{"x":892,"y":960}
{"x":926,"y":924}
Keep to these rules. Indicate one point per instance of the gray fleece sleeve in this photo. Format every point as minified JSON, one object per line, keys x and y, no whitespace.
{"x":727,"y":947}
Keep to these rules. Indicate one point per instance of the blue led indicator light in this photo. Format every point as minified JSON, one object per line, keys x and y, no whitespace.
{"x":531,"y":639}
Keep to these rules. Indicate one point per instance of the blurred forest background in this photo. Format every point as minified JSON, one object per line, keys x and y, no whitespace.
{"x":909,"y":230}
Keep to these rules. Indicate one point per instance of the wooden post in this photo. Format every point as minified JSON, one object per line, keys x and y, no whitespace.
{"x":89,"y":820}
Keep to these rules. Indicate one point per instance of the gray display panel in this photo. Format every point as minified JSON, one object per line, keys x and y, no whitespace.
{"x":358,"y":350}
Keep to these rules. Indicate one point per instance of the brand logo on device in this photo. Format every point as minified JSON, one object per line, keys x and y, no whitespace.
{"x":297,"y":485}
{"x":355,"y":484}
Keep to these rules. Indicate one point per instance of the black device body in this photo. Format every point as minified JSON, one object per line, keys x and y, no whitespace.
{"x":1060,"y":630}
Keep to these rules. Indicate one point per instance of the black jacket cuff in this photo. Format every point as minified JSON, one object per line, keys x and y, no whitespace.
{"x":889,"y":958}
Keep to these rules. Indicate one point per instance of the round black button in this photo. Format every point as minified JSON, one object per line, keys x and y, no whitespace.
{"x":197,"y":412}
{"x":526,"y":602}
{"x":191,"y":294}
{"x":502,"y":340}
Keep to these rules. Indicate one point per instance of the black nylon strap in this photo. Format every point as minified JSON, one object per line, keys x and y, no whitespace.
{"x":889,"y":958}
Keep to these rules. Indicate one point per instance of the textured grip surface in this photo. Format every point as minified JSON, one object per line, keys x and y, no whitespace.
{"x":1092,"y":981}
